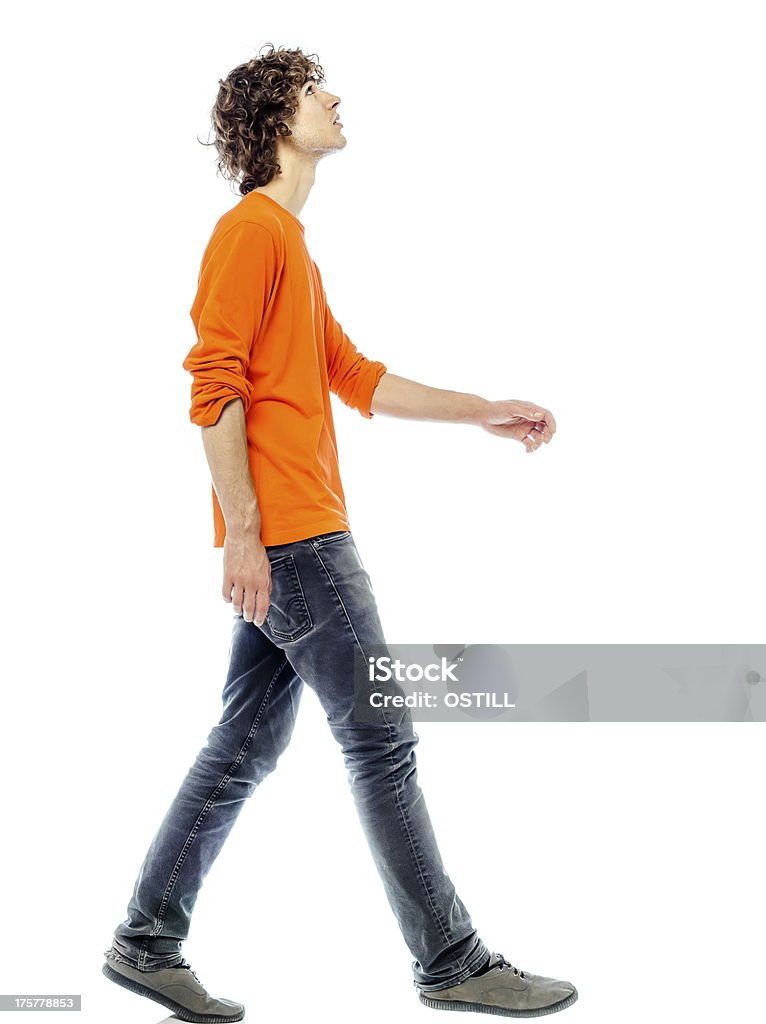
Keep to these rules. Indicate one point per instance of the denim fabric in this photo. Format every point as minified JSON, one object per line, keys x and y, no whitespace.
{"x":322,"y":606}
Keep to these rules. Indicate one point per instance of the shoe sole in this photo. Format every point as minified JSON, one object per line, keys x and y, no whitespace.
{"x":455,"y":1004}
{"x":170,"y":1004}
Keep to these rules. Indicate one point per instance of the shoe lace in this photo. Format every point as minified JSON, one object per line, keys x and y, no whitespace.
{"x":502,"y":962}
{"x":188,"y":967}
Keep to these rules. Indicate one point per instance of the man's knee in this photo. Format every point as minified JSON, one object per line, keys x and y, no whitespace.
{"x":374,"y":757}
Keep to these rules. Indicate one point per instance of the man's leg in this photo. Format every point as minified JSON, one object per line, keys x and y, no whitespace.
{"x":260,"y":703}
{"x":322,"y":609}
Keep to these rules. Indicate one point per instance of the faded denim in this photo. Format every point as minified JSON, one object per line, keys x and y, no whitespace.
{"x":322,"y":607}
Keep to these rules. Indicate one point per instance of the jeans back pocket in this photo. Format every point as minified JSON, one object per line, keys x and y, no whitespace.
{"x":288,"y":616}
{"x":329,"y":538}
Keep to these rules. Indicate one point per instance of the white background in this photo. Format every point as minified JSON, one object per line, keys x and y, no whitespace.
{"x":558,"y":202}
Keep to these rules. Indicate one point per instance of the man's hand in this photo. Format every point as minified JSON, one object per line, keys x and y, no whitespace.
{"x":246,"y":576}
{"x":522,"y":421}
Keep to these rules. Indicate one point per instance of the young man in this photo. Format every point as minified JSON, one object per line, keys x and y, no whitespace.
{"x":268,"y":353}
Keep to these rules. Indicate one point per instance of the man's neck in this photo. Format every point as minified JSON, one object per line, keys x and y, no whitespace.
{"x":291,"y":187}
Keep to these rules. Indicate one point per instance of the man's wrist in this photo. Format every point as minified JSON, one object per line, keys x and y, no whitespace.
{"x":474,"y":408}
{"x":244,"y":525}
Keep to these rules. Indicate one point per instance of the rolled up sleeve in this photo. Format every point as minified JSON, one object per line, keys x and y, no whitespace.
{"x":351,"y":376}
{"x":235,"y":282}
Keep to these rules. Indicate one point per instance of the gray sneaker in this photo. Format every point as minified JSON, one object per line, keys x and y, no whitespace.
{"x":177,"y":988}
{"x":506,"y":990}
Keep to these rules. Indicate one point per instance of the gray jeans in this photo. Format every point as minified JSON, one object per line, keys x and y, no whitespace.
{"x":322,"y":608}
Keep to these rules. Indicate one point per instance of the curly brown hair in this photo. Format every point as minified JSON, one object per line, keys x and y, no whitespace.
{"x":252,"y":108}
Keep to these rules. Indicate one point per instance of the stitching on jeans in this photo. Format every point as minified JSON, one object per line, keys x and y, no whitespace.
{"x":293,"y":576}
{"x":226,"y":778}
{"x":233,"y":767}
{"x":329,"y":538}
{"x":402,"y":810}
{"x":415,"y":849}
{"x":350,"y":625}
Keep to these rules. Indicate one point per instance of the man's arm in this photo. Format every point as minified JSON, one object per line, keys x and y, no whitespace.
{"x":236,"y":280}
{"x":522,"y":421}
{"x":398,"y":396}
{"x":246,"y":567}
{"x":233,"y":291}
{"x":350,"y":374}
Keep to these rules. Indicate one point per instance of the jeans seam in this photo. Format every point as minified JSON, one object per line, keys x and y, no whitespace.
{"x":220,"y":787}
{"x":415,"y":850}
{"x":402,"y":810}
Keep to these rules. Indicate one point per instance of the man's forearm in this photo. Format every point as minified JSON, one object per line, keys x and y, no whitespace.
{"x":407,"y":399}
{"x":225,"y":443}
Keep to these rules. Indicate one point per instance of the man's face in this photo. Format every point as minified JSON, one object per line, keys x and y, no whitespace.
{"x":312,"y":127}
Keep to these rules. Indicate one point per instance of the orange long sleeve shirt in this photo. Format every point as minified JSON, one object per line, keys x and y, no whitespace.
{"x":266,"y":334}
